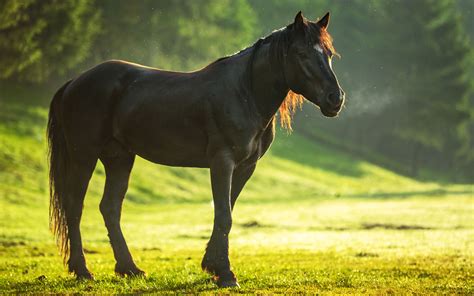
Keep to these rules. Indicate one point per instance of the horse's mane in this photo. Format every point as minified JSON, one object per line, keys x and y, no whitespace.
{"x":279,"y":44}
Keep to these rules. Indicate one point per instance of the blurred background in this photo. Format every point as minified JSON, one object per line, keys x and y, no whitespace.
{"x":406,"y":66}
{"x":376,"y":201}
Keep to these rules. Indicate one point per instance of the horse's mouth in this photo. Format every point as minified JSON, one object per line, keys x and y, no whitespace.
{"x":330,"y":112}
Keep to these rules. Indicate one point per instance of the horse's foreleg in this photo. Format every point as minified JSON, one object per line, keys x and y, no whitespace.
{"x":239,"y":178}
{"x":216,"y":259}
{"x":117,"y":170}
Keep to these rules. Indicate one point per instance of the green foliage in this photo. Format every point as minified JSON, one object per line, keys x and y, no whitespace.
{"x":172,"y":34}
{"x":466,"y":129}
{"x":39,"y":39}
{"x":209,"y":29}
{"x":280,"y":13}
{"x":435,"y":83}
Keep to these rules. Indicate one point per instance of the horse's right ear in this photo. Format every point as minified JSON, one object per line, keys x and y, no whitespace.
{"x":299,"y":22}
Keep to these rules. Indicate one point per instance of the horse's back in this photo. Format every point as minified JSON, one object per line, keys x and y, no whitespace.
{"x":117,"y":101}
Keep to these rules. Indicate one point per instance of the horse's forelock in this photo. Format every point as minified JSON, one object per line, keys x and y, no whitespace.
{"x":326,"y":41}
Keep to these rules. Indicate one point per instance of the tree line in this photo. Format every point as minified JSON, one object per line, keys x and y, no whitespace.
{"x":406,"y":66}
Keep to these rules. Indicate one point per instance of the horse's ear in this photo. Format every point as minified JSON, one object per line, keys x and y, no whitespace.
{"x":324,"y":21}
{"x":299,"y":21}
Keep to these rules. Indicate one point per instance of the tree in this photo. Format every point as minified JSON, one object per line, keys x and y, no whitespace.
{"x":172,"y":34}
{"x":434,"y":73}
{"x":39,"y":39}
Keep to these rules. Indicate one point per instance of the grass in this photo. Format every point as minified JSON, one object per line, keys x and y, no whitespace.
{"x":311,"y":220}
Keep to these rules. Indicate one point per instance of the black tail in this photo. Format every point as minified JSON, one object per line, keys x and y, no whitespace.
{"x":58,"y":159}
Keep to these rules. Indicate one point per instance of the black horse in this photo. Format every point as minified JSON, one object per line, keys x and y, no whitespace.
{"x":220,"y":117}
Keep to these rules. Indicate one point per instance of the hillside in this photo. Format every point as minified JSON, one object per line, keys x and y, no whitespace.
{"x":294,"y":167}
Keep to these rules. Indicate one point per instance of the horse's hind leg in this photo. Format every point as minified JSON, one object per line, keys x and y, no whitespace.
{"x":117,"y":170}
{"x":78,"y":176}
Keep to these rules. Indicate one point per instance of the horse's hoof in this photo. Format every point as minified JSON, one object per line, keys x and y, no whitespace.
{"x":84,"y":276}
{"x":227,"y":280}
{"x":227,"y":284}
{"x":130,"y":272}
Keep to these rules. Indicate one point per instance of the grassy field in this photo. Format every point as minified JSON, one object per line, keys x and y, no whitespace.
{"x":311,"y":220}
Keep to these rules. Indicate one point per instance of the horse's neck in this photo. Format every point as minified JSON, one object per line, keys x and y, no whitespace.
{"x":269,"y":87}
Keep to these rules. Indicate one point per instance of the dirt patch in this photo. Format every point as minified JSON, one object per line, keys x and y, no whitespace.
{"x":196,"y":236}
{"x":90,"y":251}
{"x":151,"y":249}
{"x":12,"y":243}
{"x":329,"y":228}
{"x":366,"y":254}
{"x":390,"y":226}
{"x":255,"y":224}
{"x":251,"y":224}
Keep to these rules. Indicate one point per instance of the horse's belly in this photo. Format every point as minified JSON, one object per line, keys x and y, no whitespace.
{"x":185,"y":147}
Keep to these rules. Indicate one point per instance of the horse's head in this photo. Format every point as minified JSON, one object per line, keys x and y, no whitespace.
{"x":308,"y":67}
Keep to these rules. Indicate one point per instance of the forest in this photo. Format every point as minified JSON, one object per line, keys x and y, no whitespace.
{"x":408,"y":76}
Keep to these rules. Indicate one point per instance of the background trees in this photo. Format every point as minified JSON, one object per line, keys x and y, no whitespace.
{"x":172,"y":34}
{"x":40,"y":39}
{"x":407,"y":66}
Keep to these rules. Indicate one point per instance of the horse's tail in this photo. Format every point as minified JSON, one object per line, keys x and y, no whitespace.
{"x":58,"y":162}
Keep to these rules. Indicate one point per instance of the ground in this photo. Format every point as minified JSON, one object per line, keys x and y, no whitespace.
{"x":312,"y":220}
{"x":417,"y":244}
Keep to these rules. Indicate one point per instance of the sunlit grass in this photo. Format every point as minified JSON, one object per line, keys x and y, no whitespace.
{"x":328,"y":245}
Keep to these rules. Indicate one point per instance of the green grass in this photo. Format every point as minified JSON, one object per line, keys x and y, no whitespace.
{"x":311,"y":220}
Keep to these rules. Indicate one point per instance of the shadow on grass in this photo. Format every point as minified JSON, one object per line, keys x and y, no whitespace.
{"x":362,"y":226}
{"x":405,"y":194}
{"x":137,"y":286}
{"x":312,"y":196}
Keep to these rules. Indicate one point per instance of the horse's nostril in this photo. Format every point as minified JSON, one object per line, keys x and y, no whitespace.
{"x":335,"y":99}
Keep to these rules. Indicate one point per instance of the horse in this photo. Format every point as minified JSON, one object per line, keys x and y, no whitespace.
{"x":221,"y":117}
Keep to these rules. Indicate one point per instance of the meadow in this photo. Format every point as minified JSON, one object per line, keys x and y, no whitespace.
{"x":312,"y":220}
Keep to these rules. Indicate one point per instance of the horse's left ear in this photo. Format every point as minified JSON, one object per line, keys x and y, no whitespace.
{"x":300,"y":21}
{"x":324,"y":21}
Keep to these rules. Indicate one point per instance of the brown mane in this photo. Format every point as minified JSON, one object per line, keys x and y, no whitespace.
{"x":292,"y":102}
